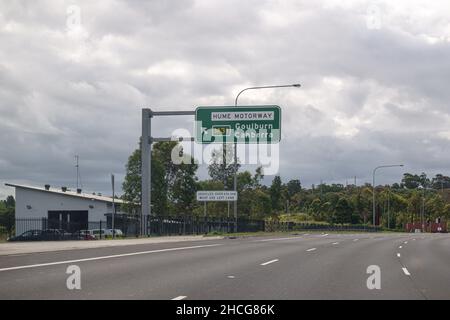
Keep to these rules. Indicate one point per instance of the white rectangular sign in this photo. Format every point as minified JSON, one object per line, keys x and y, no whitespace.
{"x":216,"y":195}
{"x":243,"y":116}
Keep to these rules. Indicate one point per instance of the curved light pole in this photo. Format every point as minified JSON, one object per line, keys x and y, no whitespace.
{"x":373,"y":185}
{"x":295,"y":85}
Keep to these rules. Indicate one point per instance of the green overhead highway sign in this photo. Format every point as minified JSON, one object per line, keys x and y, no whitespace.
{"x":248,"y":124}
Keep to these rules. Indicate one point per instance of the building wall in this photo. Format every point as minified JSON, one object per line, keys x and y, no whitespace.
{"x":41,"y":202}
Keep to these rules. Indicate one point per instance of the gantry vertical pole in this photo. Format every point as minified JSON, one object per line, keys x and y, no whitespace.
{"x":146,"y":149}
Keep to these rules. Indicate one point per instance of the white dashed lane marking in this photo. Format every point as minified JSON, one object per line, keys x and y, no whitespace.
{"x":406,"y":271}
{"x":269,"y":262}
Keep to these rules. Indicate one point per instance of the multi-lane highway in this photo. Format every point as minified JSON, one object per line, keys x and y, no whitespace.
{"x":303,"y":266}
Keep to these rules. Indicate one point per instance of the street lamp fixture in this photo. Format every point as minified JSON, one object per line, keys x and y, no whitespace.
{"x":295,"y":85}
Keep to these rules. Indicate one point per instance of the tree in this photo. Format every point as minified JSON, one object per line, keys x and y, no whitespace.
{"x":275,"y":193}
{"x":413,"y":181}
{"x":185,"y":188}
{"x":414,"y":205}
{"x":343,"y":211}
{"x":7,"y":219}
{"x":260,"y":204}
{"x":10,"y":202}
{"x":131,"y":185}
{"x":293,"y":187}
{"x":440,"y":182}
{"x":167,"y":180}
{"x":222,"y":167}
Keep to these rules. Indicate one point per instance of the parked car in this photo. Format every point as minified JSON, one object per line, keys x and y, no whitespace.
{"x":42,"y":235}
{"x":117,"y":232}
{"x":85,"y":235}
{"x":97,"y":233}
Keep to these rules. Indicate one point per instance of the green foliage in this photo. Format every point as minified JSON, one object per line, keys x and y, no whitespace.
{"x":293,"y":187}
{"x":131,"y":185}
{"x":343,"y":211}
{"x":275,"y":193}
{"x":7,"y":214}
{"x":174,"y":187}
{"x":222,"y":166}
{"x":184,"y":189}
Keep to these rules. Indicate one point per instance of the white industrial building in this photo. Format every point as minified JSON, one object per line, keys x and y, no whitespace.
{"x":62,"y":206}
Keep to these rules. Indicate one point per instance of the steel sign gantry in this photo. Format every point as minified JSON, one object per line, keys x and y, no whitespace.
{"x":265,"y":122}
{"x":146,"y":160}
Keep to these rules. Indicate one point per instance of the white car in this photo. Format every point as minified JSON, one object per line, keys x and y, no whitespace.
{"x":109,"y":232}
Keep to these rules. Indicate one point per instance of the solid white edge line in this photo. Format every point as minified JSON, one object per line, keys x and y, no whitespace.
{"x":269,"y":262}
{"x":398,"y":255}
{"x":179,"y":298}
{"x":406,"y":271}
{"x":312,"y":249}
{"x":105,"y":257}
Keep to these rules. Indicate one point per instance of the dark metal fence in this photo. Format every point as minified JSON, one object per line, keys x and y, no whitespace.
{"x":275,"y":226}
{"x":201,"y":225}
{"x":130,"y":226}
{"x":60,"y":230}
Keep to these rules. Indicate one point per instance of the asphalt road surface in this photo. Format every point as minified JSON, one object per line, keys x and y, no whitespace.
{"x":303,"y":266}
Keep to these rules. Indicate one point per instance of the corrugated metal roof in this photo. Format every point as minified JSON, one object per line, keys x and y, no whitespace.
{"x":68,"y":193}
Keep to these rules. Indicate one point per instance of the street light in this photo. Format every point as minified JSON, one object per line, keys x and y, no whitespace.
{"x":422,"y":208}
{"x":373,"y":185}
{"x":295,"y":85}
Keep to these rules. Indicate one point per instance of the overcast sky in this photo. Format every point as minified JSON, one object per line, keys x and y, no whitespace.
{"x":74,"y":76}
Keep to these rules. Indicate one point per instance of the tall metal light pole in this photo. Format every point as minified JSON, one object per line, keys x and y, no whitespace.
{"x":422,"y":208}
{"x":113,"y":207}
{"x":373,"y":185}
{"x":295,"y":85}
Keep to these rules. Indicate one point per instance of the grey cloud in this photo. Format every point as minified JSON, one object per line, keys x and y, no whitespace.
{"x":63,"y":94}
